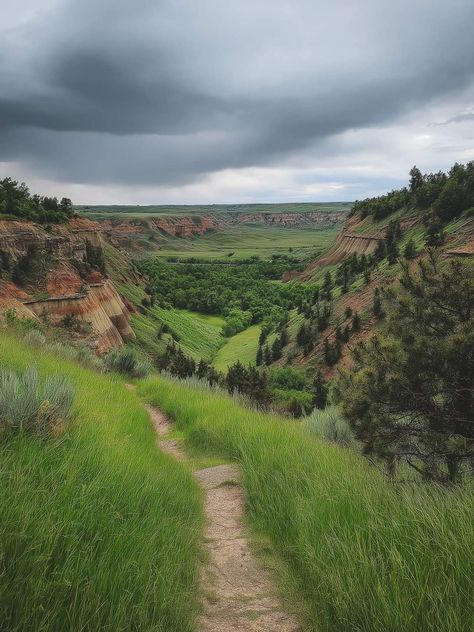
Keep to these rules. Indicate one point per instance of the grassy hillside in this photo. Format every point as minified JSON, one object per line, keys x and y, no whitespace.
{"x":99,"y":529}
{"x":243,"y":346}
{"x":243,"y":241}
{"x":365,"y":555}
{"x":198,"y":335}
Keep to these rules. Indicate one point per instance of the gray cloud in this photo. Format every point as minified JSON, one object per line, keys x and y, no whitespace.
{"x":167,"y":91}
{"x":461,"y":117}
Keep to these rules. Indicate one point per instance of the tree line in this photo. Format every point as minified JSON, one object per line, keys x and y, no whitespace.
{"x":16,"y":201}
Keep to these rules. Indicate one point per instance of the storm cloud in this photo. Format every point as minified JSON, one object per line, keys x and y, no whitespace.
{"x":167,"y":95}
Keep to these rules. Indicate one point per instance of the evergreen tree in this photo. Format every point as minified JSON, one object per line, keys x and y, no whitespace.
{"x":410,"y":250}
{"x":356,"y":322}
{"x":416,"y":179}
{"x":327,"y":286}
{"x":327,"y":352}
{"x":346,"y":334}
{"x":302,"y":335}
{"x":212,"y":376}
{"x":320,"y":391}
{"x":259,"y":358}
{"x":267,"y":356}
{"x":410,"y":395}
{"x":202,"y":370}
{"x":236,"y":378}
{"x":276,"y":349}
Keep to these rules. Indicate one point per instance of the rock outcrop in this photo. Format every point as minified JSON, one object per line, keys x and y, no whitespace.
{"x":137,"y":234}
{"x":66,"y":284}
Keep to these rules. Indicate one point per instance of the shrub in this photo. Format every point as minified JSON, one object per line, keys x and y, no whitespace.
{"x":328,"y":425}
{"x":126,"y":361}
{"x":86,"y":356}
{"x":34,"y":338}
{"x":28,"y":405}
{"x":287,"y":378}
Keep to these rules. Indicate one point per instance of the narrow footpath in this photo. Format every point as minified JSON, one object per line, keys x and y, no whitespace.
{"x":238,"y":592}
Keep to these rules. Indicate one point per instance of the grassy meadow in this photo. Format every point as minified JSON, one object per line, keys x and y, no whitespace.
{"x":365,"y":555}
{"x":246,"y":240}
{"x":99,"y":529}
{"x":199,"y":335}
{"x":243,"y":346}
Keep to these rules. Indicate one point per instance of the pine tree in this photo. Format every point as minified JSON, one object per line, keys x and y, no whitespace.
{"x":202,"y":370}
{"x":327,"y":286}
{"x":355,"y":322}
{"x":267,"y":356}
{"x":346,"y":334}
{"x":302,"y":335}
{"x":320,"y":391}
{"x":276,"y":349}
{"x":327,"y":352}
{"x":259,"y":358}
{"x":416,"y":179}
{"x":410,"y":250}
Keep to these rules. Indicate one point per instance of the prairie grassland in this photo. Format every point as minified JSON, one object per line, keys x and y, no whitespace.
{"x":124,"y":211}
{"x":243,"y":241}
{"x":99,"y":530}
{"x":365,"y":555}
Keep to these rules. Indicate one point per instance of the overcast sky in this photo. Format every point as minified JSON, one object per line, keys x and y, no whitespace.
{"x":195,"y":101}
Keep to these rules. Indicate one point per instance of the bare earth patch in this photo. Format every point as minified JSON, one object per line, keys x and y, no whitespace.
{"x":239,"y":593}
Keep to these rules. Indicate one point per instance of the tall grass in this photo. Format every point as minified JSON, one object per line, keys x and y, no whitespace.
{"x":366,"y":556}
{"x":98,"y":529}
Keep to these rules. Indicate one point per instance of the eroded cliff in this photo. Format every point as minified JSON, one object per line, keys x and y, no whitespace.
{"x":56,"y":274}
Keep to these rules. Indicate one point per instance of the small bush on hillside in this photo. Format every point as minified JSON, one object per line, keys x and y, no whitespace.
{"x":288,"y":378}
{"x":34,"y":338}
{"x":28,"y":405}
{"x":86,"y":356}
{"x":328,"y":425}
{"x":126,"y":361}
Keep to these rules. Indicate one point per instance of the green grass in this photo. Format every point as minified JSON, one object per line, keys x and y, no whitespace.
{"x":99,"y":530}
{"x":243,"y":346}
{"x":365,"y":555}
{"x":246,"y":240}
{"x":199,"y":335}
{"x":124,"y":211}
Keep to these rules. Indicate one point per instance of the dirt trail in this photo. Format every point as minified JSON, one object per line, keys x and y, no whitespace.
{"x":239,"y":593}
